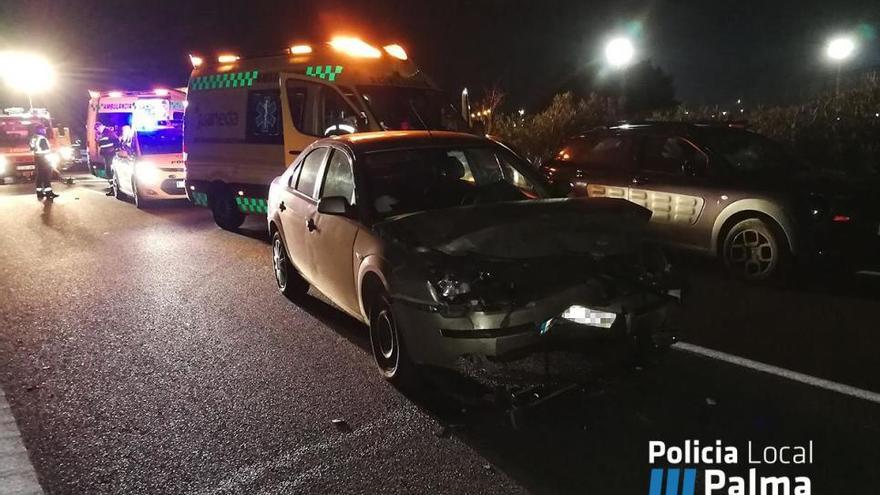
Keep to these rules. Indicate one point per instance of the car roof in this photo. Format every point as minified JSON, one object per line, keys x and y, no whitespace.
{"x":366,"y":142}
{"x":672,"y":126}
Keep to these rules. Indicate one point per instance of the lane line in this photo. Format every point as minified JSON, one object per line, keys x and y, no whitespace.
{"x":780,"y":372}
{"x":17,"y":475}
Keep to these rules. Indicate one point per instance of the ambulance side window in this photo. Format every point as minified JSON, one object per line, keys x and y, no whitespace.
{"x":335,"y":114}
{"x":264,"y":117}
{"x":297,"y":96}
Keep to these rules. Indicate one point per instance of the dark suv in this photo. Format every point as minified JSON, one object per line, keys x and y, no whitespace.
{"x":726,"y":192}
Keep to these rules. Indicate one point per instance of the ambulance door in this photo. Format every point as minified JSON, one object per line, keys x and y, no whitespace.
{"x":313,"y":109}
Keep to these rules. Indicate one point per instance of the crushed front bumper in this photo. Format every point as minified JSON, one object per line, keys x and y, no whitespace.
{"x":435,"y":337}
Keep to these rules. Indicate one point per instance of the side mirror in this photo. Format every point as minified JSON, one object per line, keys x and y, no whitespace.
{"x":334,"y":205}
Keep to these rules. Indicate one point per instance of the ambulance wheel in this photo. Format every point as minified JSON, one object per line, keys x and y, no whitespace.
{"x":140,"y":202}
{"x":226,"y":212}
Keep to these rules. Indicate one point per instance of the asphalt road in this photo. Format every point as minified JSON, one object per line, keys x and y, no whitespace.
{"x":149,"y":352}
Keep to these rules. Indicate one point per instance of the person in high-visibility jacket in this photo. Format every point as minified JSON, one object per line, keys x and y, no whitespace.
{"x":40,"y":146}
{"x":108,"y":143}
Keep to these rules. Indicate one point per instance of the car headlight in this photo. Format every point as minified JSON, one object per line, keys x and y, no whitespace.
{"x":147,"y":172}
{"x":448,"y":289}
{"x":66,"y":153}
{"x":53,"y":159}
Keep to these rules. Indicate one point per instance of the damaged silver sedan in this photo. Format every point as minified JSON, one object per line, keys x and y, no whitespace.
{"x":448,"y":245}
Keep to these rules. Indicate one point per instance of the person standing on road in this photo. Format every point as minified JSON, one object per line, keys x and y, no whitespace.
{"x":40,"y":146}
{"x":108,"y":143}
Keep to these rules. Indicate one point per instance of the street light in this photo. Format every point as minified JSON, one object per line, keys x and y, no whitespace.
{"x":27,"y":73}
{"x":619,"y":52}
{"x":838,"y":50}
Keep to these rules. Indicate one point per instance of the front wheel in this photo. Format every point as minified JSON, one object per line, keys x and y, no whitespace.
{"x":754,"y":251}
{"x":226,"y":214}
{"x":289,"y":281}
{"x":114,"y":185}
{"x":389,"y":349}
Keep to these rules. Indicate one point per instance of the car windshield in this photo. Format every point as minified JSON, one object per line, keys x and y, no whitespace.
{"x":160,"y":142}
{"x":401,"y":108}
{"x":406,"y":181}
{"x":13,"y":133}
{"x":746,"y":153}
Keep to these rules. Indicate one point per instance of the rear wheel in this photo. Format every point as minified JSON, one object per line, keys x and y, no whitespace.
{"x":289,"y":281}
{"x":754,"y":251}
{"x":225,"y":211}
{"x":389,"y":349}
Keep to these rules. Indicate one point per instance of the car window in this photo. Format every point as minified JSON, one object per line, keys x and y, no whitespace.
{"x":670,"y":154}
{"x":607,"y":152}
{"x":338,"y":181}
{"x":308,"y":176}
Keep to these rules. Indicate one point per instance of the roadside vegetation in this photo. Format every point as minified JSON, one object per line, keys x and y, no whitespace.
{"x":829,"y":131}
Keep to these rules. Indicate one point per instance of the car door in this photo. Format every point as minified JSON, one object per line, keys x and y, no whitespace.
{"x":669,"y":183}
{"x":298,"y":204}
{"x":604,"y":164}
{"x":332,"y":241}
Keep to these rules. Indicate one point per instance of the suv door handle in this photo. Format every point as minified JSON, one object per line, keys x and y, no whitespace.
{"x":310,"y":224}
{"x":281,"y":206}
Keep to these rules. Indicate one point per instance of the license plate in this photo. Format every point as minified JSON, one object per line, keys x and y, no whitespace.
{"x":181,"y":184}
{"x":26,"y":167}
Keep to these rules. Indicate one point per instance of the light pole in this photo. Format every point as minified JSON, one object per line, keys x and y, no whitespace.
{"x":839,"y":49}
{"x":27,"y":73}
{"x":619,"y":54}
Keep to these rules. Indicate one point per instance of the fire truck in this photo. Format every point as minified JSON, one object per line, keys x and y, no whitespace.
{"x":16,"y":156}
{"x":249,"y":117}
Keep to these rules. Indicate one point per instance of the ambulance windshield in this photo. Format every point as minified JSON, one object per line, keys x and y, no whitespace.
{"x":13,"y":132}
{"x":403,"y":108}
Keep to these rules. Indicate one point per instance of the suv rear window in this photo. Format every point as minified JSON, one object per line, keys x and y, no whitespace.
{"x":608,"y":151}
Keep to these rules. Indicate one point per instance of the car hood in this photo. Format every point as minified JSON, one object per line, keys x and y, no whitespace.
{"x":523,"y":229}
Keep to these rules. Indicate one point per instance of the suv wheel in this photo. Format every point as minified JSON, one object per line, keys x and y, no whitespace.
{"x":389,"y":350}
{"x":289,"y":281}
{"x":139,"y":202}
{"x":753,"y":250}
{"x":114,"y":185}
{"x":225,"y":211}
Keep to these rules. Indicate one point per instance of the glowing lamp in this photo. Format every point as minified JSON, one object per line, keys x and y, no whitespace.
{"x":354,"y":47}
{"x":619,"y":52}
{"x":196,"y":61}
{"x":395,"y":51}
{"x":228,"y":59}
{"x":161,"y":92}
{"x":26,"y":72}
{"x":115,"y":94}
{"x":300,"y":50}
{"x":841,"y":48}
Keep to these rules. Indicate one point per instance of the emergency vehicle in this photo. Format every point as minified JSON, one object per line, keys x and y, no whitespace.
{"x":16,"y":156}
{"x":248,"y":118}
{"x":149,"y":164}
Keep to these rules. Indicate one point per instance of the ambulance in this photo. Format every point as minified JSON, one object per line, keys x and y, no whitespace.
{"x":249,"y":118}
{"x":149,"y":164}
{"x":16,"y":156}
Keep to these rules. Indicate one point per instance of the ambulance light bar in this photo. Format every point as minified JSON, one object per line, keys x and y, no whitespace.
{"x":300,"y":50}
{"x":228,"y":59}
{"x":114,"y":94}
{"x":395,"y":51}
{"x":196,"y":61}
{"x":354,"y":47}
{"x":161,"y":92}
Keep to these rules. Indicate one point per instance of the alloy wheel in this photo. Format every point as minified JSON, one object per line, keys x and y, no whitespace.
{"x":752,"y":253}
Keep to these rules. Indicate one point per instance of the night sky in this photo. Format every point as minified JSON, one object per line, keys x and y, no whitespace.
{"x":716,"y":51}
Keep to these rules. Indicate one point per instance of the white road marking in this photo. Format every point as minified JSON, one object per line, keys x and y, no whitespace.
{"x":781,"y":372}
{"x":17,"y":475}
